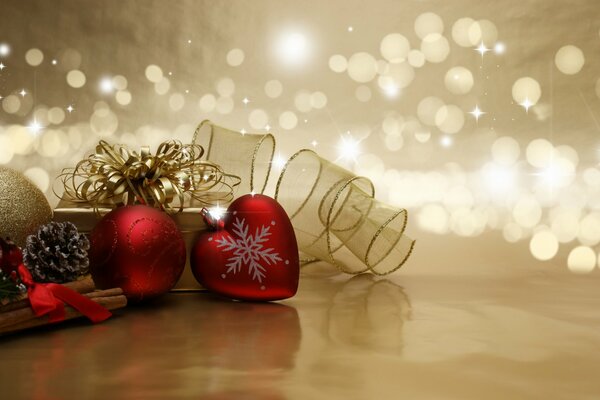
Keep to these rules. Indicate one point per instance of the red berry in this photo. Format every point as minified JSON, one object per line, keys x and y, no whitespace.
{"x":10,"y":256}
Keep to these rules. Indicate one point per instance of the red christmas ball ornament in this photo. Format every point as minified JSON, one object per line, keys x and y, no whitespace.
{"x":251,"y":253}
{"x":139,"y":249}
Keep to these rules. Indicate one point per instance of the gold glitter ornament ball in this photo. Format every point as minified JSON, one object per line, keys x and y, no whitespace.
{"x":23,"y":207}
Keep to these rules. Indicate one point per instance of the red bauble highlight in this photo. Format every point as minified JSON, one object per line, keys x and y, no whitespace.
{"x":251,"y":255}
{"x":139,"y":249}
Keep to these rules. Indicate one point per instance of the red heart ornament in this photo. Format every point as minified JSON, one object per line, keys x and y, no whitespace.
{"x":251,"y":254}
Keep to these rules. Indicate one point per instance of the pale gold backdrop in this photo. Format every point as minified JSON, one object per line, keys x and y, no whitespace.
{"x":373,"y":85}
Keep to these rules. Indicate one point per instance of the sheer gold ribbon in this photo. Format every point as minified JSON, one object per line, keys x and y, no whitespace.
{"x":115,"y":175}
{"x":335,"y":215}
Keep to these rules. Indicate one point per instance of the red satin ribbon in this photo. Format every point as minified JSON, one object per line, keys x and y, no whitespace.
{"x":50,"y":298}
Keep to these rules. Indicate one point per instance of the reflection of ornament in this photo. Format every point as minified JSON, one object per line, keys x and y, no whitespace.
{"x":252,"y":254}
{"x":139,"y":249}
{"x":270,"y":338}
{"x":381,"y":308}
{"x":57,"y":253}
{"x":23,"y":207}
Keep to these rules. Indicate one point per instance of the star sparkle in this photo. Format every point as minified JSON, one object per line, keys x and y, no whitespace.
{"x":245,"y":100}
{"x":482,"y":49}
{"x":279,"y":161}
{"x":526,"y":104}
{"x":22,"y":92}
{"x":348,"y":148}
{"x":476,"y":113}
{"x":70,"y":108}
{"x":2,"y":66}
{"x":35,"y":127}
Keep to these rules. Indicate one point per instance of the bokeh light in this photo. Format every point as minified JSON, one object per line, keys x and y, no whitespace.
{"x":526,"y":88}
{"x":176,"y":101}
{"x":569,"y":60}
{"x":506,"y":150}
{"x":258,"y":119}
{"x":123,"y":97}
{"x":482,"y":31}
{"x":4,"y":49}
{"x":225,"y":87}
{"x":293,"y":48}
{"x":207,"y":103}
{"x":435,"y":48}
{"x":273,"y":89}
{"x":11,"y":104}
{"x":288,"y":120}
{"x":449,"y":119}
{"x":581,"y":260}
{"x":235,"y":57}
{"x":154,"y":73}
{"x":394,"y":47}
{"x":39,"y":177}
{"x":338,"y":63}
{"x":162,"y":86}
{"x":224,"y":105}
{"x":459,"y":80}
{"x":362,"y":67}
{"x":76,"y":78}
{"x":34,"y":57}
{"x":460,"y":32}
{"x":543,"y":245}
{"x":106,"y":85}
{"x":428,"y":108}
{"x":428,"y":23}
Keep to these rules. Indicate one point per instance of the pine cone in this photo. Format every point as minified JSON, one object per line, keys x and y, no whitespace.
{"x":57,"y":253}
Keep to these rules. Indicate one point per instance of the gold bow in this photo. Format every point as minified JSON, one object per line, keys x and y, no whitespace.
{"x":115,"y":175}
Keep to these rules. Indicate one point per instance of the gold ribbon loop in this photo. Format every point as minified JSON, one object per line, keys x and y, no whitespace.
{"x":334,"y":213}
{"x":115,"y":175}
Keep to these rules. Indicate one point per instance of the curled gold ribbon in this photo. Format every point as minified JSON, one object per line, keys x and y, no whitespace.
{"x":335,"y":215}
{"x":114,"y":175}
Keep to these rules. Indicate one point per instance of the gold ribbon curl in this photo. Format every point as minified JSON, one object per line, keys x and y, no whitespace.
{"x":335,"y":215}
{"x":115,"y":175}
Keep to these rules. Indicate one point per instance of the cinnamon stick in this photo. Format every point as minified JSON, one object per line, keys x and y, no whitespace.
{"x":82,"y":286}
{"x":104,"y":293}
{"x":110,"y":303}
{"x":26,"y":313}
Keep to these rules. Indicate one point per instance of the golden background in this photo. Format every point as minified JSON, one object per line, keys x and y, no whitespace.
{"x":386,"y":89}
{"x":499,"y":298}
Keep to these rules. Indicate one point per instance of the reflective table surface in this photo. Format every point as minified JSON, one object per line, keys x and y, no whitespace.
{"x":465,"y":319}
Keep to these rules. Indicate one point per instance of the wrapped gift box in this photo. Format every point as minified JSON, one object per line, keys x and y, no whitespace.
{"x":189,"y":221}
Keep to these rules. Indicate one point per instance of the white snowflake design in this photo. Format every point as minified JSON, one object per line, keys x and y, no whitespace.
{"x":248,"y":249}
